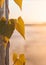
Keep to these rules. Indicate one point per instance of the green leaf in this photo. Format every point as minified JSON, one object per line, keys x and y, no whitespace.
{"x":7,"y":29}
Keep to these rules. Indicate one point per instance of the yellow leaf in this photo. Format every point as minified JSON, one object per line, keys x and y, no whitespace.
{"x":19,"y":3}
{"x":22,"y":58}
{"x":20,"y":26}
{"x":14,"y":57}
{"x":20,"y":21}
{"x":1,"y":3}
{"x":18,"y":62}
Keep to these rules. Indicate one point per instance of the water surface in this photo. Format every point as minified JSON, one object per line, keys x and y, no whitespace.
{"x":34,"y":45}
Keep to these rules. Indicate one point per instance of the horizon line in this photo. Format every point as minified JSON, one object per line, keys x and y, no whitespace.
{"x":36,"y":24}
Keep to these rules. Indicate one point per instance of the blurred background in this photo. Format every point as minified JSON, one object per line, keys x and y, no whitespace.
{"x":34,"y":46}
{"x":33,"y":11}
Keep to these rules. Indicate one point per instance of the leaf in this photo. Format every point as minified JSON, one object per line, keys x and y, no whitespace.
{"x":18,"y":62}
{"x":14,"y":57}
{"x":19,"y":3}
{"x":22,"y":58}
{"x":1,"y":3}
{"x":20,"y":21}
{"x":20,"y":26}
{"x":7,"y":29}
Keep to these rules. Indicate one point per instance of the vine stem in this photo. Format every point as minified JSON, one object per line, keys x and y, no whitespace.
{"x":6,"y":10}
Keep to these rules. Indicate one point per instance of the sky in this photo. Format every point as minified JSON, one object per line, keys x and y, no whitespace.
{"x":33,"y":11}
